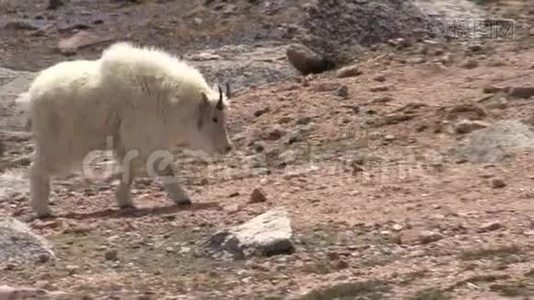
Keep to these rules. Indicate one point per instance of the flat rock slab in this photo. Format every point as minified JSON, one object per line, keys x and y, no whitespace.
{"x":12,"y":182}
{"x":20,"y":293}
{"x":495,"y":143}
{"x":265,"y":235}
{"x":18,"y":242}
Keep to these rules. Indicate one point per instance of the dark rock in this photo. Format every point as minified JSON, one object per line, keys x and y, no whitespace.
{"x":497,"y":183}
{"x":490,"y":226}
{"x":306,"y":61}
{"x":257,"y":196}
{"x":342,"y":91}
{"x":524,"y":92}
{"x":54,"y":4}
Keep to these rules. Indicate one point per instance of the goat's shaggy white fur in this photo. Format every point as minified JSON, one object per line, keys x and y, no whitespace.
{"x":144,"y":99}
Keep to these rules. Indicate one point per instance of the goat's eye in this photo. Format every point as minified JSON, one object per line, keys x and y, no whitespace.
{"x":215,"y":120}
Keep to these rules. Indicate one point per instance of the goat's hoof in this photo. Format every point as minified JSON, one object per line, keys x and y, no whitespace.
{"x":127,"y":208}
{"x":183,"y":202}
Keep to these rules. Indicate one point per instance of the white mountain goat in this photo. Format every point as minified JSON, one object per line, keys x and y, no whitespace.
{"x":143,"y":99}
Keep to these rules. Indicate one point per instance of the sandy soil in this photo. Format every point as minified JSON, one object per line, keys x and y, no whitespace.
{"x":376,"y":200}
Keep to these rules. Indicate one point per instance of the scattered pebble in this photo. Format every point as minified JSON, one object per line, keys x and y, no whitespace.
{"x":342,"y":92}
{"x":490,"y":226}
{"x":349,"y":71}
{"x":426,"y":237}
{"x":470,"y":64}
{"x":257,"y":196}
{"x":497,"y":183}
{"x":380,"y":78}
{"x":380,"y":88}
{"x":111,"y":254}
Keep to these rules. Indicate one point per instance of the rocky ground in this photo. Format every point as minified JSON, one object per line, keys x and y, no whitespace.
{"x":404,"y":173}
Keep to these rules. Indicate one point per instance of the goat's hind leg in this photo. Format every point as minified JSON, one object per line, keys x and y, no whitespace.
{"x":39,"y":190}
{"x":126,"y":177}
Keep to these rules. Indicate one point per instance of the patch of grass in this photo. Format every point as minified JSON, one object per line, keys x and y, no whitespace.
{"x":431,"y":294}
{"x":369,"y":290}
{"x":502,"y":253}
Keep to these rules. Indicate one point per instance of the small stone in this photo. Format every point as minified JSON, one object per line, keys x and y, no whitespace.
{"x":470,"y":64}
{"x":426,"y":237}
{"x":71,"y":269}
{"x":232,"y":208}
{"x":383,"y":99}
{"x":380,"y":88}
{"x":396,"y":227}
{"x":258,"y":146}
{"x":294,"y":137}
{"x":54,"y":4}
{"x":529,"y":233}
{"x":417,"y":60}
{"x":42,"y":284}
{"x":341,"y":264}
{"x":380,"y":78}
{"x":490,"y":226}
{"x":523,"y":92}
{"x":303,"y":120}
{"x":497,"y":183}
{"x":81,"y":39}
{"x":342,"y":92}
{"x":475,"y":48}
{"x":261,"y":111}
{"x":466,"y":126}
{"x":349,"y":71}
{"x":275,"y":134}
{"x":205,"y":56}
{"x":43,"y":258}
{"x":257,"y":196}
{"x":531,"y":31}
{"x":306,"y":60}
{"x":491,"y":89}
{"x":197,"y":21}
{"x":111,"y":254}
{"x":389,"y":138}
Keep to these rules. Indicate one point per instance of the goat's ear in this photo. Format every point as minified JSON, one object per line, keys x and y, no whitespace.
{"x":220,"y":105}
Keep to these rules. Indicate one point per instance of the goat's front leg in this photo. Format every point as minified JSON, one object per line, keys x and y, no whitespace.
{"x":173,"y":188}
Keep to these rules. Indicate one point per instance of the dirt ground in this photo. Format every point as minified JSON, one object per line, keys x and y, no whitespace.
{"x":379,"y":206}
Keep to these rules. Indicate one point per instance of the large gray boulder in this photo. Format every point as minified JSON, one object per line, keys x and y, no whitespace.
{"x":18,"y":242}
{"x":265,"y":235}
{"x":495,"y":143}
